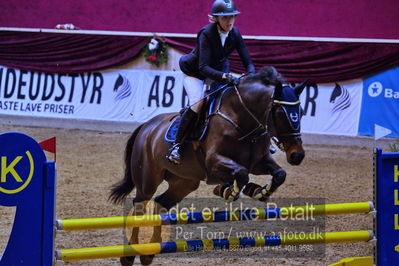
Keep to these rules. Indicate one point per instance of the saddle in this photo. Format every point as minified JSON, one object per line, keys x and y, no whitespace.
{"x":202,"y":123}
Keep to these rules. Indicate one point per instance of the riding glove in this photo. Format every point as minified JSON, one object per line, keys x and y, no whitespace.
{"x":231,"y":80}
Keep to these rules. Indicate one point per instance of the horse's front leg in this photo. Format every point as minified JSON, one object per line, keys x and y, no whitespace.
{"x":231,"y":176}
{"x":266,"y":166}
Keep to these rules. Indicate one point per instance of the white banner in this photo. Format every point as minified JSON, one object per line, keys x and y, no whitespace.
{"x":114,"y":95}
{"x":161,"y":92}
{"x":138,"y":95}
{"x":332,"y":108}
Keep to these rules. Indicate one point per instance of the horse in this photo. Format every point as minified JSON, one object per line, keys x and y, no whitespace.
{"x":237,"y":144}
{"x":284,"y":130}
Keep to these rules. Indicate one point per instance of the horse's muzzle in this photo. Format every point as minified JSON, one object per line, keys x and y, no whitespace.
{"x":296,"y":158}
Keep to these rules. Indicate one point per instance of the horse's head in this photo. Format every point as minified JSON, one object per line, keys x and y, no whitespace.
{"x":285,"y":122}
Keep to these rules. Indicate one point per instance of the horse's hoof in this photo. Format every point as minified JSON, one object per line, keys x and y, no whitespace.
{"x":219,"y":189}
{"x":231,"y":199}
{"x":127,"y":261}
{"x":230,"y":195}
{"x":257,"y":192}
{"x":252,"y":190}
{"x":216,"y":190}
{"x":227,"y":192}
{"x":146,"y":259}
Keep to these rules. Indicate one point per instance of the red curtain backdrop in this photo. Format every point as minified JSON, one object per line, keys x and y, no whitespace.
{"x":317,"y":61}
{"x":296,"y":60}
{"x":66,"y":53}
{"x":298,"y":18}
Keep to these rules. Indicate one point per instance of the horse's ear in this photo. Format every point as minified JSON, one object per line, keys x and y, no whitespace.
{"x":299,"y":88}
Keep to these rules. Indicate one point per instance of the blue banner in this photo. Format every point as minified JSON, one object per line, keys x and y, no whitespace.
{"x":380,"y":103}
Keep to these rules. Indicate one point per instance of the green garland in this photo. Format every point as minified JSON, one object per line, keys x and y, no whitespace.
{"x":157,"y":56}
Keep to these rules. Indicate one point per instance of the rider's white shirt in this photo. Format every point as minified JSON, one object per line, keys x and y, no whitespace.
{"x":223,"y":37}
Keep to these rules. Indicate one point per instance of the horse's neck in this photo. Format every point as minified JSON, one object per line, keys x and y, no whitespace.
{"x":258,"y":98}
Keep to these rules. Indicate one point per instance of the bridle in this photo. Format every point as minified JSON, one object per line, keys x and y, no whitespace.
{"x":295,"y":132}
{"x":259,"y":131}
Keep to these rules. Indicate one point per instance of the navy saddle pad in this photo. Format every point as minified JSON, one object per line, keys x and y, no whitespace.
{"x":171,"y":133}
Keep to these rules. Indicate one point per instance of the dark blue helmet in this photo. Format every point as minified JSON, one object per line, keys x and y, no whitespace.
{"x":224,"y":8}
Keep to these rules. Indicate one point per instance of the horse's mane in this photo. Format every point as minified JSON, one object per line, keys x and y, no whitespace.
{"x":268,"y":75}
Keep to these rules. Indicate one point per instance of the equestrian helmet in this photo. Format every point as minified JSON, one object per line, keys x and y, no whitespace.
{"x":224,"y":8}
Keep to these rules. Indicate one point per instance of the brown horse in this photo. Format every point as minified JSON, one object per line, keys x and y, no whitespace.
{"x":237,"y":143}
{"x":284,"y":129}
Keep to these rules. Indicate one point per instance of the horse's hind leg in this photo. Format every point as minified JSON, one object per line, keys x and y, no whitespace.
{"x":178,"y":189}
{"x":133,"y":233}
{"x":144,"y":194}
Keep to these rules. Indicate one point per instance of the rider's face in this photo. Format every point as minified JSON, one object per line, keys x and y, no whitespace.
{"x":226,"y":22}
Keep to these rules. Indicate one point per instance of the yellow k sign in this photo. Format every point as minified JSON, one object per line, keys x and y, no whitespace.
{"x":9,"y":169}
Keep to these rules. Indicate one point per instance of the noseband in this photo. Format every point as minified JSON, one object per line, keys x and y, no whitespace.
{"x":260,"y":129}
{"x":295,"y":131}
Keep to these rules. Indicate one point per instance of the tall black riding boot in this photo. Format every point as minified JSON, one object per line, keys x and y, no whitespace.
{"x":187,"y":122}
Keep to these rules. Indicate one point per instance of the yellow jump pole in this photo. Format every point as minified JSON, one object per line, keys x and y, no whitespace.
{"x":355,"y":261}
{"x":329,"y":209}
{"x":212,"y":244}
{"x":206,"y":217}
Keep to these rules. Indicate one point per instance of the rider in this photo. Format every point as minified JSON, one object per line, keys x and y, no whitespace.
{"x":208,"y":61}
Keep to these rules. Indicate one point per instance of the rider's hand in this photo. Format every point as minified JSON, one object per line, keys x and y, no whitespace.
{"x":230,"y":79}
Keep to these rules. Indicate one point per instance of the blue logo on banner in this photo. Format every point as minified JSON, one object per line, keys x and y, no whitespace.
{"x":380,"y":103}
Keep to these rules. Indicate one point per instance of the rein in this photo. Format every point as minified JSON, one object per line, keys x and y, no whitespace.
{"x":260,"y":126}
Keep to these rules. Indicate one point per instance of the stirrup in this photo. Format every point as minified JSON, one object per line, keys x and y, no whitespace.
{"x":174,"y":154}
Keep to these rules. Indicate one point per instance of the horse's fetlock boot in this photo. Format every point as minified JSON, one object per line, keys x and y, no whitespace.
{"x":266,"y":192}
{"x":220,"y":189}
{"x":252,"y":190}
{"x":230,"y":194}
{"x":257,"y":195}
{"x":231,"y":198}
{"x":262,"y":194}
{"x":267,"y":187}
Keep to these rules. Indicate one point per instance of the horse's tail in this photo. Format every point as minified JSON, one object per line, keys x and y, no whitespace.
{"x":120,"y":190}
